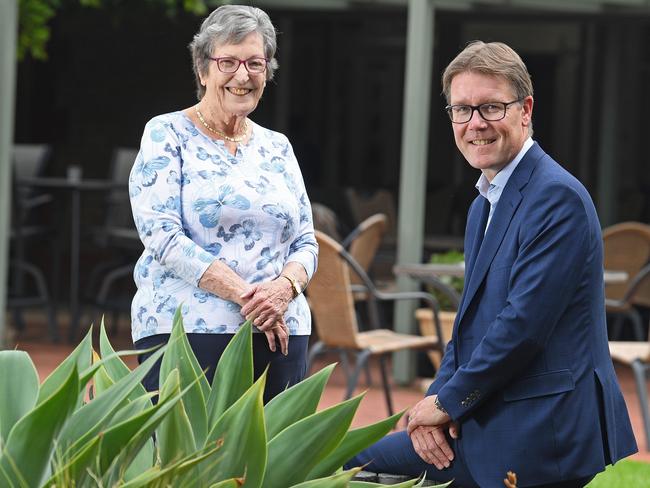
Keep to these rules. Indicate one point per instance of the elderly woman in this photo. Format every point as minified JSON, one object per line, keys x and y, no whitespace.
{"x":220,"y":205}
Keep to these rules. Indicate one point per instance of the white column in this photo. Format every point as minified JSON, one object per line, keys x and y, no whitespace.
{"x":413,"y":169}
{"x":8,"y":33}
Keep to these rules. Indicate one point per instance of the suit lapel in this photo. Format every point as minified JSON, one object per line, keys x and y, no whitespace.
{"x":503,"y":214}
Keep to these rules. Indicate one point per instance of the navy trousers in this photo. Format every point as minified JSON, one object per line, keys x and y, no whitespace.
{"x":284,"y":371}
{"x":395,"y":454}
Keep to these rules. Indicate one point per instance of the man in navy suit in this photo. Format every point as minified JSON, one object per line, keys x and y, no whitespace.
{"x":526,"y":383}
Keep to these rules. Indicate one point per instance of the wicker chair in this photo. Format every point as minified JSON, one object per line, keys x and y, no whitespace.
{"x":627,"y":248}
{"x":332,"y":304}
{"x":637,"y":354}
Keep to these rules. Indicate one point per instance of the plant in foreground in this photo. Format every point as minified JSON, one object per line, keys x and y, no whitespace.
{"x":218,"y":435}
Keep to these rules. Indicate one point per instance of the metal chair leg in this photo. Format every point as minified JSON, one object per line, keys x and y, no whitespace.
{"x":641,"y":370}
{"x":362,"y":358}
{"x":384,"y":380}
{"x":314,"y":351}
{"x":637,"y":324}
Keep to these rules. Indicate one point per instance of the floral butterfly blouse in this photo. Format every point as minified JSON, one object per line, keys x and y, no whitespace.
{"x":194,"y":202}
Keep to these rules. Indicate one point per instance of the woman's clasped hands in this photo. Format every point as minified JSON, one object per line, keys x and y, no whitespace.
{"x":266,"y":304}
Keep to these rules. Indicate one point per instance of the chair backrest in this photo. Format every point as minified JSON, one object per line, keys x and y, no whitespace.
{"x":118,"y":209}
{"x":325,"y":220}
{"x":626,"y":248}
{"x":29,"y":159}
{"x":330,"y":296}
{"x":639,"y":291}
{"x":363,"y":242}
{"x":381,"y":201}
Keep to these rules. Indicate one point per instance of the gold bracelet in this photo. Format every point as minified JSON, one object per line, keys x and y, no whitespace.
{"x":295,"y":287}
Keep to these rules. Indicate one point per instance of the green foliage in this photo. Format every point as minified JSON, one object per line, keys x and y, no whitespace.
{"x":455,"y":282}
{"x":218,"y":435}
{"x":34,"y":17}
{"x":623,"y":474}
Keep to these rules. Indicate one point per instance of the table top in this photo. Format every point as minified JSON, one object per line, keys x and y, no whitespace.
{"x":69,"y":183}
{"x":425,"y":270}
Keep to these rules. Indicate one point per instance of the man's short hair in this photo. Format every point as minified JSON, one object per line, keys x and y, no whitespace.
{"x":492,"y":59}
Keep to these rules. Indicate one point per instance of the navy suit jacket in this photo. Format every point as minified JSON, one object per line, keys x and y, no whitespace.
{"x":528,"y":373}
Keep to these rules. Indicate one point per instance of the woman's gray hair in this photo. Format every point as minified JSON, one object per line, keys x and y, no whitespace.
{"x":230,"y":24}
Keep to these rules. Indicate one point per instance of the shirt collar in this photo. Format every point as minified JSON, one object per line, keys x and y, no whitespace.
{"x":487,"y":189}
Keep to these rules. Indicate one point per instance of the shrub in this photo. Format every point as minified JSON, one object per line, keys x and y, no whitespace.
{"x":218,"y":435}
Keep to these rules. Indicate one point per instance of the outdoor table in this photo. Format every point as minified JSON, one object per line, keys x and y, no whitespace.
{"x":74,"y":184}
{"x":430,"y":273}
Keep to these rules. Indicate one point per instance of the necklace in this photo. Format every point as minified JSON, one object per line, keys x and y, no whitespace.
{"x":236,"y":138}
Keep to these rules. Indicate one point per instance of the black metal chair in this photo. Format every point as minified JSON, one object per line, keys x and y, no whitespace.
{"x":27,"y":282}
{"x":118,"y":235}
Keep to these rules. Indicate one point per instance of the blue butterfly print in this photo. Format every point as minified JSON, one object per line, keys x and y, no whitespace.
{"x":185,"y":179}
{"x":291,"y":183}
{"x":224,"y":168}
{"x":172,"y":203}
{"x":263,"y":151}
{"x":142,"y":267}
{"x":221,"y":232}
{"x":276,"y":165}
{"x":233,"y":307}
{"x":304,"y":209}
{"x":147,"y":170}
{"x":213,"y":248}
{"x":232,"y":264}
{"x":174,"y":151}
{"x":168,"y":226}
{"x":267,"y":258}
{"x":141,"y":312}
{"x":201,"y":296}
{"x":279,"y":212}
{"x":192,"y":130}
{"x":263,"y":186}
{"x":145,"y":227}
{"x":172,"y":178}
{"x":158,"y":133}
{"x":292,"y":324}
{"x":134,"y":191}
{"x":202,"y":154}
{"x":301,"y":241}
{"x":209,"y":209}
{"x":160,"y":277}
{"x":168,"y":305}
{"x":151,"y":326}
{"x":247,"y":230}
{"x":200,"y":327}
{"x":285,"y":150}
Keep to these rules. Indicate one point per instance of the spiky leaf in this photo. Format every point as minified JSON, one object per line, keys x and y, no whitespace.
{"x":295,"y":451}
{"x":18,"y":389}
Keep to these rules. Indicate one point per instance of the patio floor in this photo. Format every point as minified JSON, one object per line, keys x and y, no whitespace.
{"x":47,"y":355}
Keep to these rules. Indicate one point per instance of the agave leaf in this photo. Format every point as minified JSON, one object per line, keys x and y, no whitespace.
{"x":92,"y":417}
{"x":296,"y":403}
{"x":231,"y":483}
{"x":74,"y":472}
{"x":295,"y":451}
{"x":354,"y":442}
{"x":174,"y":472}
{"x":81,"y":356}
{"x":242,"y":429}
{"x":115,"y":367}
{"x":234,"y":374}
{"x":174,"y":434}
{"x":134,"y":444}
{"x":18,"y":389}
{"x":143,"y":461}
{"x":339,"y":480}
{"x":404,"y":484}
{"x":26,"y":455}
{"x":180,"y":356}
{"x":101,"y":380}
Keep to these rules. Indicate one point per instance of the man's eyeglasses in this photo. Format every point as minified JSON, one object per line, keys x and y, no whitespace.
{"x":230,"y":65}
{"x":492,"y":111}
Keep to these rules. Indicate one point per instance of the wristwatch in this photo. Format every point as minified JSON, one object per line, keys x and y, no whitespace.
{"x":295,"y":287}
